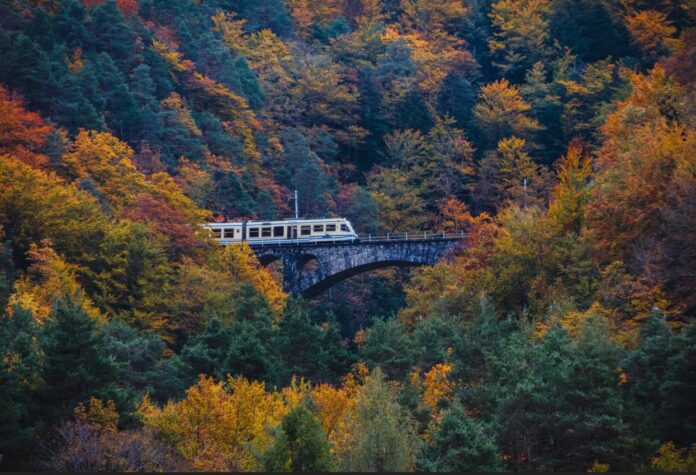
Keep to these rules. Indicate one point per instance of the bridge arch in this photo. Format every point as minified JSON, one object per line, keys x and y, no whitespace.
{"x":267,"y":259}
{"x":308,"y":269}
{"x":313,"y":283}
{"x":307,"y":263}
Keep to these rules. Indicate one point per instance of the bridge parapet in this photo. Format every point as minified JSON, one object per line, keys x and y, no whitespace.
{"x":369,"y":238}
{"x":338,"y":261}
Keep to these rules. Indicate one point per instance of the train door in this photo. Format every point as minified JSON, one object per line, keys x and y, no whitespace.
{"x":244,"y":231}
{"x":292,"y":232}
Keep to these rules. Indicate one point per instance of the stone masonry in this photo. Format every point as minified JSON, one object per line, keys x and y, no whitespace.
{"x":338,"y":261}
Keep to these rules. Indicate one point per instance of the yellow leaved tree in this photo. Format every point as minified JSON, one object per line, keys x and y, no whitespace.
{"x":240,"y":263}
{"x":336,"y":409}
{"x":48,"y":278}
{"x":437,"y":386}
{"x":219,"y":426}
{"x":105,"y":161}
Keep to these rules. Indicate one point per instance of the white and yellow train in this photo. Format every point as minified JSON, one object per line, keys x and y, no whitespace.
{"x":279,"y":232}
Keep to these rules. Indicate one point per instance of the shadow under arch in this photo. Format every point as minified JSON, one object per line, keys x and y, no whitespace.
{"x":306,"y":263}
{"x":268,"y":259}
{"x":313,"y":283}
{"x":274,"y":264}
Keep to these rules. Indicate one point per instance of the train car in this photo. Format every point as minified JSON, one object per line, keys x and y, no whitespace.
{"x":279,"y":232}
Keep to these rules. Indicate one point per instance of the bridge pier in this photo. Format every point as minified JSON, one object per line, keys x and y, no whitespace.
{"x":291,"y":269}
{"x":338,"y":261}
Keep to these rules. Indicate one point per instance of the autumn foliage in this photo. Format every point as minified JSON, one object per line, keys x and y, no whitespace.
{"x":22,"y":133}
{"x":557,"y":137}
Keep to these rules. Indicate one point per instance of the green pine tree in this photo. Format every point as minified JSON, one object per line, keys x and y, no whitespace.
{"x":388,"y":347}
{"x":646,"y":369}
{"x":301,"y":445}
{"x":461,"y":444}
{"x":205,"y":352}
{"x":249,"y":353}
{"x":20,"y":378}
{"x":298,"y":342}
{"x":678,"y":411}
{"x":75,"y":365}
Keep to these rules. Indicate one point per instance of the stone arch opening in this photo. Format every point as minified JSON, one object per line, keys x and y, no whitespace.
{"x":313,"y":284}
{"x":267,"y":259}
{"x":307,"y":263}
{"x":274,"y":264}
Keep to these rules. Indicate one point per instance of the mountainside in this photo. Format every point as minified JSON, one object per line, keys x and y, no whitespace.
{"x":560,"y":135}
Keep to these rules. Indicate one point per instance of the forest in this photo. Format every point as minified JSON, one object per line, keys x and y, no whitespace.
{"x":559,"y":134}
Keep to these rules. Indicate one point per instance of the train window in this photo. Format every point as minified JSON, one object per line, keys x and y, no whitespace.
{"x":344,"y":227}
{"x":229,"y":233}
{"x":278,"y":231}
{"x":330,"y":227}
{"x":266,"y":232}
{"x":216,"y":233}
{"x":318,"y":228}
{"x":253,"y":232}
{"x":305,"y":230}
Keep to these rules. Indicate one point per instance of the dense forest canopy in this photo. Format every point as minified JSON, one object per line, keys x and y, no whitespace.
{"x":561,"y":135}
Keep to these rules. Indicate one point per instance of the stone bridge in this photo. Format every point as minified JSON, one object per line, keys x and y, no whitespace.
{"x":335,"y":262}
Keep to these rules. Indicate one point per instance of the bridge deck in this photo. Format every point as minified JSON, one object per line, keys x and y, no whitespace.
{"x":362,"y":240}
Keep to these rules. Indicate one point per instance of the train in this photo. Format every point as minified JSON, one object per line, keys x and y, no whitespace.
{"x":289,"y":231}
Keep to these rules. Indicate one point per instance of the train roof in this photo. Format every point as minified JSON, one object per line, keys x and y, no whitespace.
{"x":271,"y":223}
{"x":298,"y":220}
